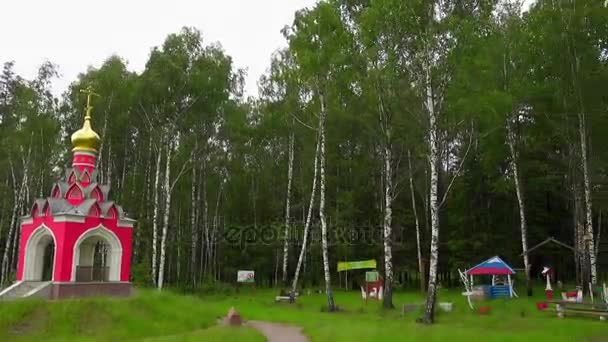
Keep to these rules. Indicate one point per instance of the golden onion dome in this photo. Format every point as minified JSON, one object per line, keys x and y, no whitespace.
{"x":85,"y":139}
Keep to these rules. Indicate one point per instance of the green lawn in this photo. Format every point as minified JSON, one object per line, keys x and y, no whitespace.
{"x":169,"y":317}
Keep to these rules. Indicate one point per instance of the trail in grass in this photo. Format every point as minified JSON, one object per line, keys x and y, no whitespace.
{"x":276,"y":332}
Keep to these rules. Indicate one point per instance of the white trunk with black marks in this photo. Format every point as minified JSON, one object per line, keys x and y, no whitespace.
{"x":11,"y":231}
{"x":313,"y":192}
{"x":124,"y":171}
{"x":101,"y":159}
{"x":179,"y":243}
{"x":330,"y":297}
{"x":14,"y":223}
{"x":205,"y":240}
{"x":193,"y":227}
{"x":388,"y":217}
{"x":155,"y":219}
{"x":214,"y":231}
{"x":109,"y":165}
{"x":433,"y":141}
{"x":288,"y":207}
{"x":511,"y":141}
{"x":589,"y":235}
{"x":416,"y":221}
{"x":599,"y":234}
{"x":167,"y":213}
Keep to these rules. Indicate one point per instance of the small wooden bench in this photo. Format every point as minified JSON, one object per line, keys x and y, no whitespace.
{"x":286,"y":297}
{"x":564,"y":308}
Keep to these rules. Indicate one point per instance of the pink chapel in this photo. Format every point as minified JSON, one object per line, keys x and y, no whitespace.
{"x":77,"y":242}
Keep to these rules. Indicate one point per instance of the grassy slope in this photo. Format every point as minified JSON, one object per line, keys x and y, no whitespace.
{"x":166,"y":317}
{"x":150,"y":314}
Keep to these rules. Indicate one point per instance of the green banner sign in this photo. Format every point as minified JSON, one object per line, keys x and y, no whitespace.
{"x":356,"y":265}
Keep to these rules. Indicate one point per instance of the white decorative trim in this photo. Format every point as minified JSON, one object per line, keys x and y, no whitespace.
{"x":10,"y":288}
{"x":69,"y":218}
{"x":90,"y":154}
{"x":83,"y":164}
{"x":30,"y":260}
{"x":124,"y":223}
{"x":115,"y":256}
{"x":27,"y":220}
{"x":90,"y":282}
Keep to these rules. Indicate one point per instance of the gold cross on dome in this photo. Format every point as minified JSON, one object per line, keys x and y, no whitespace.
{"x":90,"y":93}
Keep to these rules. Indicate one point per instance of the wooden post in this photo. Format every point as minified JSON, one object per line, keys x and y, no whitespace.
{"x":510,"y":285}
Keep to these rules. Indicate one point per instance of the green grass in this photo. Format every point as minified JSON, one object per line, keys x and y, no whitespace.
{"x":146,"y":315}
{"x":170,"y":317}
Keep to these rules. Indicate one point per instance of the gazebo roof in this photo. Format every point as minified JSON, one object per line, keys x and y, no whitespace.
{"x":493,"y":266}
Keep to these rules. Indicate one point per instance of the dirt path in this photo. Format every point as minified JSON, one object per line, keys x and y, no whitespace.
{"x":276,"y":332}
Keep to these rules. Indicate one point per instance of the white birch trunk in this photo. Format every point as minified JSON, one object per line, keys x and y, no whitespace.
{"x":14,"y":218}
{"x":193,"y":227}
{"x":204,"y":259}
{"x":589,"y":235}
{"x":599,"y":234}
{"x":109,"y":165}
{"x":313,"y":192}
{"x":433,"y":141}
{"x":155,"y":219}
{"x":215,"y":227}
{"x":179,"y":243}
{"x":330,"y":297}
{"x":167,"y":213}
{"x":511,"y":141}
{"x":388,"y":216}
{"x":417,"y":222}
{"x":288,"y":207}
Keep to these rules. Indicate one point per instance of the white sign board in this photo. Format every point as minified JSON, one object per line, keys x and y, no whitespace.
{"x":245,"y":276}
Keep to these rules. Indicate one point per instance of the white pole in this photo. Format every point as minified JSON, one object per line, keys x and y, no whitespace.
{"x":510,"y":285}
{"x":493,"y":280}
{"x":346,"y":280}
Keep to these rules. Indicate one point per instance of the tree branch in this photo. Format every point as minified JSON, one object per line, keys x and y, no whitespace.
{"x":457,"y":173}
{"x":302,"y":123}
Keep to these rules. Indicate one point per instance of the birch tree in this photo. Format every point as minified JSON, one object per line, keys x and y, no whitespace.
{"x":331,"y":306}
{"x":313,"y":191}
{"x":156,"y":206}
{"x":288,"y":206}
{"x":421,"y":269}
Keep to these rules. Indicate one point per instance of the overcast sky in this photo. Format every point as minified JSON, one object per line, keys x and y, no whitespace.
{"x":76,"y":34}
